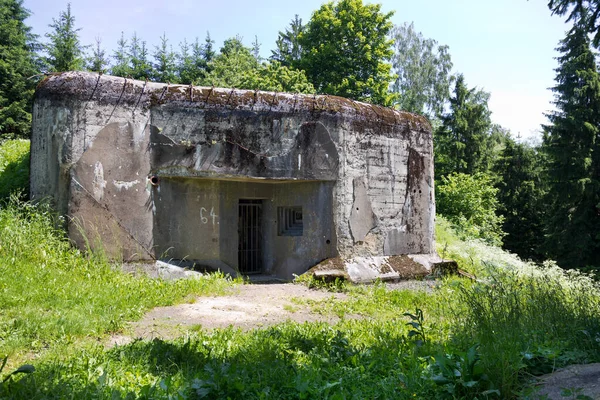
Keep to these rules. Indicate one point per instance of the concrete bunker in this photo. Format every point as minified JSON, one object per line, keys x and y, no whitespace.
{"x":256,"y":182}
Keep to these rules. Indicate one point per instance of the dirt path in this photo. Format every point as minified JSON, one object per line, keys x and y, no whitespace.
{"x":249,"y":306}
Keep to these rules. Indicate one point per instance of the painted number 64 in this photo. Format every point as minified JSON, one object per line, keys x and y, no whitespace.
{"x":211,"y":215}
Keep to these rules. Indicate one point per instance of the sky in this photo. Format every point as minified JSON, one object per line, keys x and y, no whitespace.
{"x":505,"y":47}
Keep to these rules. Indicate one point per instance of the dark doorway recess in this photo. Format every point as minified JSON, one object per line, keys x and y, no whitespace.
{"x":250,"y":236}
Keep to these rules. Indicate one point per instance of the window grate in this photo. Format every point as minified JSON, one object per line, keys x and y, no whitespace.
{"x":289,"y":221}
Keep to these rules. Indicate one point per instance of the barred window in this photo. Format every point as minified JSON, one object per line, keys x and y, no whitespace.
{"x":289,"y":221}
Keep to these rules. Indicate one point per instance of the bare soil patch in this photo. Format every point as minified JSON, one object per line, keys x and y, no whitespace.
{"x":249,"y":306}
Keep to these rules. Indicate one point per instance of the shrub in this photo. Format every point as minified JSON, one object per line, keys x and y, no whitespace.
{"x":469,"y":202}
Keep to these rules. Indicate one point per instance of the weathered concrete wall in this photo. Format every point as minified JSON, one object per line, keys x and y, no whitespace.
{"x":363,"y":173}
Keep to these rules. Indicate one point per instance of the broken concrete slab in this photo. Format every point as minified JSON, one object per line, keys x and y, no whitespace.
{"x":381,"y":268}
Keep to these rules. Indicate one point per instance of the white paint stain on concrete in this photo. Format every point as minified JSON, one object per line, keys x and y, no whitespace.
{"x":99,"y":183}
{"x":125,"y":184}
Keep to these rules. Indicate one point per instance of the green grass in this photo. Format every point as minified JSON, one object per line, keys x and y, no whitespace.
{"x":53,"y":294}
{"x":463,"y":339}
{"x":14,"y":168}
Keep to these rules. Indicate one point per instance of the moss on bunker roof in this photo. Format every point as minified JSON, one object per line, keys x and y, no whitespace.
{"x":107,"y":89}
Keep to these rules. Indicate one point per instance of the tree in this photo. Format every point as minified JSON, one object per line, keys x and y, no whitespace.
{"x":98,"y":62}
{"x":585,"y":13}
{"x":345,"y":49}
{"x":423,"y":72}
{"x":470,"y":203}
{"x":208,"y":53}
{"x":164,"y":65}
{"x":192,"y":64}
{"x":121,"y":66}
{"x":65,"y":52}
{"x":256,"y":49}
{"x":139,"y":66}
{"x":520,"y":196}
{"x":17,"y":66}
{"x":572,"y":145}
{"x":234,"y":62}
{"x":276,"y":78}
{"x":288,"y":49}
{"x":462,"y":140}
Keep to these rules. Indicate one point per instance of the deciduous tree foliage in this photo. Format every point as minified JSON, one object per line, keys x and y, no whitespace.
{"x":65,"y":52}
{"x":275,"y":77}
{"x":572,"y":145}
{"x":422,"y":70}
{"x":461,"y":142}
{"x":345,"y":50}
{"x":470,"y":203}
{"x":231,"y":65}
{"x":17,"y":65}
{"x":237,"y":67}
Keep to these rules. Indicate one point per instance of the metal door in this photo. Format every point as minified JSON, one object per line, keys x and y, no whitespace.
{"x":250,"y":238}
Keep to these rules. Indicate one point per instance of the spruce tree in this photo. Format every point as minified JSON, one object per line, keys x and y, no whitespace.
{"x":288,"y":45}
{"x":140,"y":67}
{"x":462,"y":141}
{"x":65,"y":52}
{"x":17,"y":65}
{"x":121,"y":56}
{"x":164,"y":62}
{"x":572,"y":145}
{"x":520,"y":196}
{"x":98,"y":62}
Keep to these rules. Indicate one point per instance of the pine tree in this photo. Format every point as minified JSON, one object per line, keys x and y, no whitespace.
{"x":17,"y":65}
{"x":462,"y":140}
{"x":138,"y":59}
{"x":288,"y":45}
{"x":572,"y":145}
{"x":98,"y":62}
{"x":208,"y":54}
{"x":65,"y":52}
{"x":121,"y":56}
{"x":520,"y":198}
{"x":256,"y":49}
{"x":164,"y":62}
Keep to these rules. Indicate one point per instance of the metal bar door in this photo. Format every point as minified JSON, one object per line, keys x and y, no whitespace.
{"x":250,"y":237}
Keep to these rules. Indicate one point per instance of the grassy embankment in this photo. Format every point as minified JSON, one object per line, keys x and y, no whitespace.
{"x":465,"y":339}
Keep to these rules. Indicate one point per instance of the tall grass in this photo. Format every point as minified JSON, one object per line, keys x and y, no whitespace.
{"x":51,"y":292}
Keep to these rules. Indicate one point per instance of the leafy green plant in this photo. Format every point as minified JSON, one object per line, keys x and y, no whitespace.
{"x":461,"y":374}
{"x":574,"y":393}
{"x":469,"y":202}
{"x":417,"y":333}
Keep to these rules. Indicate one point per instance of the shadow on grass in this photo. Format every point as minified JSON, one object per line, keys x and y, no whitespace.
{"x":286,"y":361}
{"x":15,"y":178}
